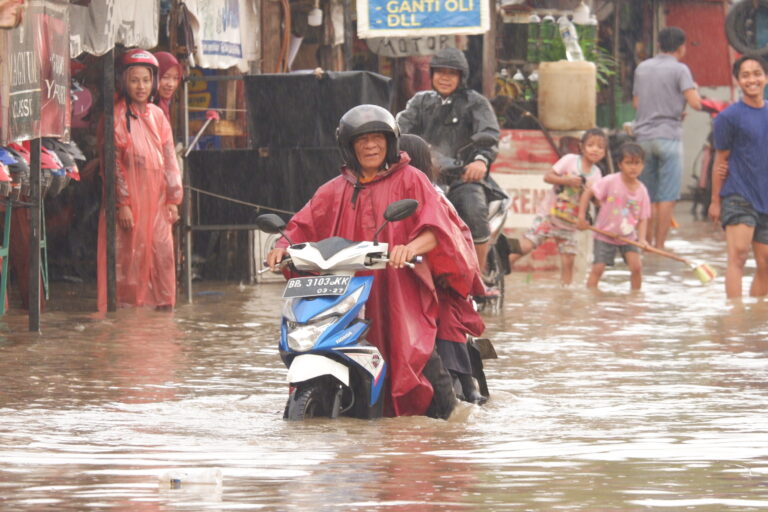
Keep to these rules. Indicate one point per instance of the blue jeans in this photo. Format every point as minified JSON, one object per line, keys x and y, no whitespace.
{"x":663,"y":169}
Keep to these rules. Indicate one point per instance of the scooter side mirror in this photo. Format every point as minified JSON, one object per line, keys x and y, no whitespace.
{"x":270,"y":223}
{"x":400,"y":210}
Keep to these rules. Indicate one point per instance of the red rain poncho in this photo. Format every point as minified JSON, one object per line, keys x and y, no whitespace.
{"x":403,"y":305}
{"x":147,"y":180}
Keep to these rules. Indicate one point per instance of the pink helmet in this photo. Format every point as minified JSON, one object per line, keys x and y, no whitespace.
{"x":138,"y":57}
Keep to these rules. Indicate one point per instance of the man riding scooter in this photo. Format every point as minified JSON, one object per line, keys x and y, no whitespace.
{"x":447,"y":117}
{"x":402,"y":308}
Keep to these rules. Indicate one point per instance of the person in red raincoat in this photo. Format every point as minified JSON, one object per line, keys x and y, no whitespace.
{"x":149,"y":191}
{"x":403,"y":306}
{"x":458,"y":317}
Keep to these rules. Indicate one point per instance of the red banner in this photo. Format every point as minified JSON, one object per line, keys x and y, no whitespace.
{"x":34,"y":74}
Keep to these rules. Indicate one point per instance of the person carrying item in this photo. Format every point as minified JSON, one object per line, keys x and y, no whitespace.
{"x":403,"y":307}
{"x":148,"y":189}
{"x":740,"y":200}
{"x":624,"y":211}
{"x":447,"y":117}
{"x":662,"y":88}
{"x":457,"y":317}
{"x":569,"y":177}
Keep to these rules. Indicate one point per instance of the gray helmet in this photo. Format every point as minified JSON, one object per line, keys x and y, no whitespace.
{"x":451,"y":58}
{"x":367,"y":119}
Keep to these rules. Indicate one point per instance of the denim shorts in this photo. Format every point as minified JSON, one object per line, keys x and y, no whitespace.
{"x":606,"y":253}
{"x":734,"y":209}
{"x":663,"y":169}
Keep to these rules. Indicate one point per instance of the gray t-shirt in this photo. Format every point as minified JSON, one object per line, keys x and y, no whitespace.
{"x":659,"y":86}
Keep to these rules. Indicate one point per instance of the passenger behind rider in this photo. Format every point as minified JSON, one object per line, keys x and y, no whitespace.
{"x":402,"y":307}
{"x":458,"y":317}
{"x":447,"y":117}
{"x":569,"y":177}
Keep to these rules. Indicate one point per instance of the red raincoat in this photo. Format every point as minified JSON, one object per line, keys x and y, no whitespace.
{"x":147,"y":180}
{"x":403,"y":305}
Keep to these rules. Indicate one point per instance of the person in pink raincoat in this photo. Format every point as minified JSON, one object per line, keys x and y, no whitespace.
{"x":148,"y":190}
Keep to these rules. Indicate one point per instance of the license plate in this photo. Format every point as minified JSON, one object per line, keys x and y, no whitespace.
{"x":316,"y":286}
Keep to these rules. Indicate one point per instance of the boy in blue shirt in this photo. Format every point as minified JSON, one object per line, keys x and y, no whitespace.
{"x":740,"y":197}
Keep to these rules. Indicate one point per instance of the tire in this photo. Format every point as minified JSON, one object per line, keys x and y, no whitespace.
{"x":493,"y":276}
{"x":313,"y":400}
{"x":740,"y":28}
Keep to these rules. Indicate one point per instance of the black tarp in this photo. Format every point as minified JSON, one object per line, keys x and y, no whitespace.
{"x":292,"y":127}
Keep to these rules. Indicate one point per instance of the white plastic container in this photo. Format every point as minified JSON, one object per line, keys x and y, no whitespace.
{"x":567,"y":95}
{"x":179,"y":478}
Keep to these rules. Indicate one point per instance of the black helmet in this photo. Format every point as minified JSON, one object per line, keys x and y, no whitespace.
{"x":367,"y":119}
{"x":451,"y":58}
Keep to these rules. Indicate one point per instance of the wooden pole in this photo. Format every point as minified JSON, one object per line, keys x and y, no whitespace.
{"x":34,"y":236}
{"x":489,"y":53}
{"x":617,"y":5}
{"x":108,"y":87}
{"x":186,"y":205}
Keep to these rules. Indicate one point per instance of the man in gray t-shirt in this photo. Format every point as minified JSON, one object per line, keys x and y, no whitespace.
{"x":662,"y":89}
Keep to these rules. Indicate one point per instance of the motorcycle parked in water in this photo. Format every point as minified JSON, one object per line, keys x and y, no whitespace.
{"x":332,"y":370}
{"x":496,"y":264}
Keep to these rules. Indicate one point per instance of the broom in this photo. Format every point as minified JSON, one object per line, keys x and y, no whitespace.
{"x":703,"y":271}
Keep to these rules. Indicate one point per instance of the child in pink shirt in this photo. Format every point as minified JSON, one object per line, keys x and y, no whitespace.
{"x":625,"y":208}
{"x":569,"y":177}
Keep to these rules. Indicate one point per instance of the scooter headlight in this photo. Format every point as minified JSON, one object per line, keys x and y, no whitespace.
{"x":303,"y":337}
{"x":343,"y":306}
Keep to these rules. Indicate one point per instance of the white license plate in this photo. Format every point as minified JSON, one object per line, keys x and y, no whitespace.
{"x":316,"y":286}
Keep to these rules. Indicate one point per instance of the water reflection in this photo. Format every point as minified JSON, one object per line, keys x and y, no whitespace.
{"x":601,"y":401}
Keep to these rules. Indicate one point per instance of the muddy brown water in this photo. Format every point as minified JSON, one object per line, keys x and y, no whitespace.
{"x":607,"y":401}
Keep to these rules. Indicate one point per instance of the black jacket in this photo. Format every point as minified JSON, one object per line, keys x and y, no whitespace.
{"x":447,"y":124}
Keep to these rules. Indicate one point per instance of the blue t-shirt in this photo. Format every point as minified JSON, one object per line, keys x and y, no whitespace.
{"x":744,"y":131}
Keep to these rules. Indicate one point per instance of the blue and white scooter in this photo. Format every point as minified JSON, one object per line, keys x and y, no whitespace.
{"x":332,"y":370}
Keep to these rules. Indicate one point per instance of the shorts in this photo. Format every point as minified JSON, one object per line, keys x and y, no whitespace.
{"x":663,"y":169}
{"x":543,"y":228}
{"x":606,"y":253}
{"x":734,"y":210}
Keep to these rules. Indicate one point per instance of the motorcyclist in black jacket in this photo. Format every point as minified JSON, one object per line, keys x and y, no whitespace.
{"x":447,"y":117}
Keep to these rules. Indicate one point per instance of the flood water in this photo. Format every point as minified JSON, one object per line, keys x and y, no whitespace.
{"x":607,"y":401}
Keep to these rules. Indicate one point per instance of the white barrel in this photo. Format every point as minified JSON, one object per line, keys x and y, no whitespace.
{"x":567,"y":95}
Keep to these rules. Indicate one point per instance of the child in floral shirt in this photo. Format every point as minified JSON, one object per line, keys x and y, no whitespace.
{"x":625,"y":208}
{"x":569,"y":177}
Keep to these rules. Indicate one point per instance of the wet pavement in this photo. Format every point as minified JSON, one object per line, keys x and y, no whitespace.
{"x":606,"y":401}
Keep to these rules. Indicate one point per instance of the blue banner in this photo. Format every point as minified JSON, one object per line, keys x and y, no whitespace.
{"x":401,"y":18}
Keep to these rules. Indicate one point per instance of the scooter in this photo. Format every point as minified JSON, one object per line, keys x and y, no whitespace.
{"x":497,"y":264}
{"x":332,"y":370}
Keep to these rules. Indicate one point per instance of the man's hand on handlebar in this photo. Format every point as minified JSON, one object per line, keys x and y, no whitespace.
{"x":399,"y":255}
{"x":274,"y":257}
{"x":474,"y":171}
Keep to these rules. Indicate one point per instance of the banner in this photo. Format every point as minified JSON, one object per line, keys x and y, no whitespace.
{"x":404,"y":18}
{"x":219,"y":29}
{"x":35,"y":74}
{"x":409,"y":46}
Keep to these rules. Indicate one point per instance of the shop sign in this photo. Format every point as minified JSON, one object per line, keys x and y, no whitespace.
{"x":393,"y":47}
{"x":35,"y":74}
{"x":406,"y":18}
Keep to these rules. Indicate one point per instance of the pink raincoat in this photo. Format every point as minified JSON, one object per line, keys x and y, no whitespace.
{"x":147,"y":180}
